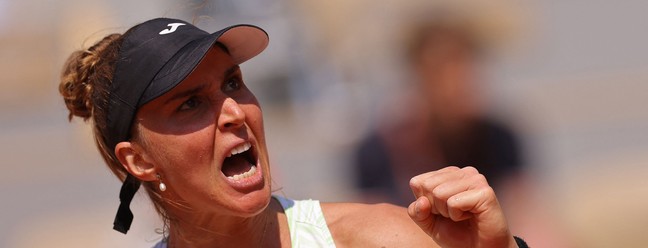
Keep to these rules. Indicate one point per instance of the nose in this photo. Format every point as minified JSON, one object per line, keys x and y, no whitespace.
{"x":232,"y":115}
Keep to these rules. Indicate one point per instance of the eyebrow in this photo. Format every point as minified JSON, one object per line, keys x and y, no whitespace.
{"x":198,"y":88}
{"x":186,"y":93}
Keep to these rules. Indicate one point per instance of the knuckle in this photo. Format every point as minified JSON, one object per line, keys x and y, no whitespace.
{"x":470,"y":170}
{"x":414,"y":182}
{"x":428,"y":185}
{"x":479,"y":178}
{"x":439,"y":192}
{"x":488,"y":192}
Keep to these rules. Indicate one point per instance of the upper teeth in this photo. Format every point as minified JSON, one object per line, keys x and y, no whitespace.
{"x":240,"y":148}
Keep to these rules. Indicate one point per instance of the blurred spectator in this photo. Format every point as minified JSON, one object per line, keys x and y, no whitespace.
{"x":439,"y":123}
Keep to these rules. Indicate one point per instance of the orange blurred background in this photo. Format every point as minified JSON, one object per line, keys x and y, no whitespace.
{"x":569,"y":75}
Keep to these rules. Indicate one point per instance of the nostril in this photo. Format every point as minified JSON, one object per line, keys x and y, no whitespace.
{"x":231,"y":124}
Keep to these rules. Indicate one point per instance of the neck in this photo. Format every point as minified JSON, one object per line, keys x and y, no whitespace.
{"x":211,"y":230}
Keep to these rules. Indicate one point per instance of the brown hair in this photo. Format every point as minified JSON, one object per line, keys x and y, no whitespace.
{"x":85,"y":83}
{"x":85,"y":86}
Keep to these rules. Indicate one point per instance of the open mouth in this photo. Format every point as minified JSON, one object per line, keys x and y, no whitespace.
{"x":240,"y":163}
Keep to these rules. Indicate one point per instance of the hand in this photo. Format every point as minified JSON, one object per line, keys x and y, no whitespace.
{"x":458,"y":208}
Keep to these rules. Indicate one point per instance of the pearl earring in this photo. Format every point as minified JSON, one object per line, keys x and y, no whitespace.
{"x":162,"y":186}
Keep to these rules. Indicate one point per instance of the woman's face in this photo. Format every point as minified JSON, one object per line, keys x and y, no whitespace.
{"x":205,"y":138}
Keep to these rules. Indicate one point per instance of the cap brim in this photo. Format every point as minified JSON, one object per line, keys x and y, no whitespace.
{"x":242,"y":41}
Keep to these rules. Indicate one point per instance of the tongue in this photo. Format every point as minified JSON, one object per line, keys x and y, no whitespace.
{"x":235,"y":165}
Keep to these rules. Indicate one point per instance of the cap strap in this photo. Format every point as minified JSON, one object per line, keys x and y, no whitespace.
{"x":124,"y":216}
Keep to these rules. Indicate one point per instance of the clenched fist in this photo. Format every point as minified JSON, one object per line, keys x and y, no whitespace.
{"x":457,"y":208}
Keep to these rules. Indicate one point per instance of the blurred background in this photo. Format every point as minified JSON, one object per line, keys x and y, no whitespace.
{"x":566,"y":79}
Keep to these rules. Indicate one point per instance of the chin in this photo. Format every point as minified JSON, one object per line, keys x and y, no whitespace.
{"x":254,"y":203}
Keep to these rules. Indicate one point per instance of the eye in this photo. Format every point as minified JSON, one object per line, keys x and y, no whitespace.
{"x":232,"y":84}
{"x":191,"y":103}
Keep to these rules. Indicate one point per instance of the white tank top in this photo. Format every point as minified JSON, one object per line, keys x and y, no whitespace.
{"x":306,"y":222}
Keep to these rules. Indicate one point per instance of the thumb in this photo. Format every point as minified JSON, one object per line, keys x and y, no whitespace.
{"x":421,"y":214}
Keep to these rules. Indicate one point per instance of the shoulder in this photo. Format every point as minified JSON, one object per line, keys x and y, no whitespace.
{"x":368,"y":225}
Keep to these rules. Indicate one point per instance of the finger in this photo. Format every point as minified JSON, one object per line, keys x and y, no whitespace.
{"x":439,"y":186}
{"x":417,"y":182}
{"x":470,"y":202}
{"x":432,"y":188}
{"x":425,"y":183}
{"x":454,"y":193}
{"x":419,"y":212}
{"x":469,"y":170}
{"x":458,"y":210}
{"x":446,"y":191}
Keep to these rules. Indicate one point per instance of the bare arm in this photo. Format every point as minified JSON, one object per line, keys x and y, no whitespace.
{"x":376,"y":225}
{"x":453,"y":208}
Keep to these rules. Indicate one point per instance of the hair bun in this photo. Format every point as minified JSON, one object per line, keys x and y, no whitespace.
{"x":80,"y":73}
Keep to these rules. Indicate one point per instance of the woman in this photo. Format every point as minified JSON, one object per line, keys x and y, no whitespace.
{"x":171,"y":112}
{"x":446,"y":123}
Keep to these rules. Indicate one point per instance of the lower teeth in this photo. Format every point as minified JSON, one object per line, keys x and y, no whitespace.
{"x":245,"y":174}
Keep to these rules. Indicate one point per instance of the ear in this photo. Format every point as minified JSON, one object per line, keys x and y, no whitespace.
{"x":133,"y":161}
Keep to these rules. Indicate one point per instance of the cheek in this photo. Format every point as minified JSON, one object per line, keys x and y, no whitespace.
{"x":255,"y":121}
{"x":186,"y":162}
{"x":178,"y":153}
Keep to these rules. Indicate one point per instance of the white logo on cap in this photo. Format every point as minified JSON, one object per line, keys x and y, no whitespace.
{"x":172,"y":28}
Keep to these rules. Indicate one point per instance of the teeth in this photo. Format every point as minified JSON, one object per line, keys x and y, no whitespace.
{"x":244,"y":175}
{"x":239,"y":149}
